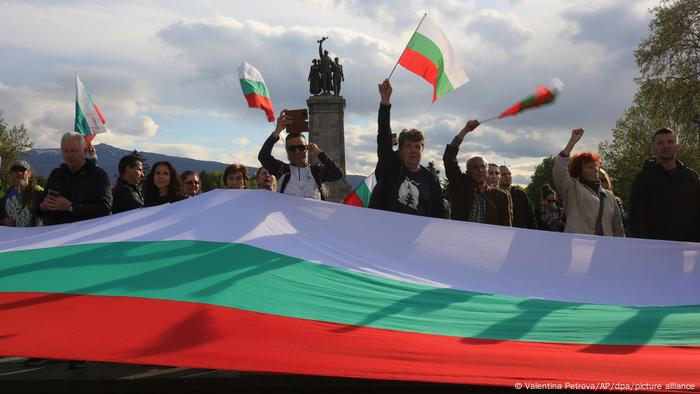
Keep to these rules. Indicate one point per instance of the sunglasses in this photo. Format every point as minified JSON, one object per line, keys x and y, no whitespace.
{"x":192,"y":183}
{"x":19,"y":169}
{"x":551,"y":201}
{"x":296,"y":148}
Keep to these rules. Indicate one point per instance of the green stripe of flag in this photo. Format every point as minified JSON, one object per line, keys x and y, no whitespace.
{"x":427,"y":48}
{"x":254,"y":87}
{"x":81,"y":126}
{"x":249,"y":278}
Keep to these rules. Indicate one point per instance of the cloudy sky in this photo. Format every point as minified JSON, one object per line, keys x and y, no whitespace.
{"x":165,"y":72}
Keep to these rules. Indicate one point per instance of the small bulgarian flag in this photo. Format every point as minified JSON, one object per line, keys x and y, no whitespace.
{"x":88,"y":117}
{"x":255,"y":90}
{"x":362,"y":193}
{"x":430,"y":55}
{"x":541,"y":97}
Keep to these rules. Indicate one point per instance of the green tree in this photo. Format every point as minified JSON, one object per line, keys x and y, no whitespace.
{"x":211,"y":180}
{"x":668,"y":94}
{"x":14,"y":145}
{"x":542,"y":175}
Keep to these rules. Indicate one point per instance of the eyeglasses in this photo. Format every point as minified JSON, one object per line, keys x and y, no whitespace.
{"x":551,"y":201}
{"x":296,"y":148}
{"x":19,"y":169}
{"x":192,"y":183}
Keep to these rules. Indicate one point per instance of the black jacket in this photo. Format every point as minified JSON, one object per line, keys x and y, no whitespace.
{"x":327,"y":171}
{"x":523,"y":216}
{"x":88,"y":189}
{"x":126,"y":196}
{"x":167,"y":199}
{"x":390,"y":173}
{"x":663,"y":206}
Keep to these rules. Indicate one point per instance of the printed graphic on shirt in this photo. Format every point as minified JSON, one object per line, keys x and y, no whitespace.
{"x":22,"y":217}
{"x":409,"y":193}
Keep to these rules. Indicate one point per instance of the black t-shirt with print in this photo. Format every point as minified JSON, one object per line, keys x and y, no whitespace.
{"x":413,"y":194}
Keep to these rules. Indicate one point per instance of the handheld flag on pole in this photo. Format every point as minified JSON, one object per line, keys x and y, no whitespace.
{"x":430,"y":55}
{"x":255,"y":90}
{"x":541,"y":97}
{"x":89,"y":119}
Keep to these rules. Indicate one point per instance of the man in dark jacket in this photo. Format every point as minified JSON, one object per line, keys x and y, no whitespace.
{"x":403,"y":185}
{"x":523,"y":216}
{"x":472,"y":199}
{"x":665,"y":199}
{"x":77,"y":190}
{"x":126,"y":193}
{"x":298,"y":178}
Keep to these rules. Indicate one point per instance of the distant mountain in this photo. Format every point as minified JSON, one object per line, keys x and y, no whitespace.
{"x":43,"y":161}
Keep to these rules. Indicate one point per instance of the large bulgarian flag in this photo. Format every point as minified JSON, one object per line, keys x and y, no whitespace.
{"x":89,"y":119}
{"x":363,"y":192}
{"x":430,"y":55}
{"x":306,"y":287}
{"x":255,"y":90}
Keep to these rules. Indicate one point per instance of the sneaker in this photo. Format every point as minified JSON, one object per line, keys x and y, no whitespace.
{"x":76,"y":364}
{"x":33,"y":362}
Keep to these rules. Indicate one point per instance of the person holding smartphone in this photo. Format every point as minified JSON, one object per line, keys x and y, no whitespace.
{"x":298,"y":177}
{"x":77,"y":189}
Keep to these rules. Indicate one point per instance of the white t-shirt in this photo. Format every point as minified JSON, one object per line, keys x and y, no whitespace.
{"x":301,"y":183}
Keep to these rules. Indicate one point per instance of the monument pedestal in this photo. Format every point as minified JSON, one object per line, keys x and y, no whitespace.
{"x":327,"y":130}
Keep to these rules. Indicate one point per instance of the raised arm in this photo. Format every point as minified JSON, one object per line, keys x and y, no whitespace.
{"x":265,"y":155}
{"x":385,"y":146}
{"x":560,"y":172}
{"x":449,"y":158}
{"x":330,"y":172}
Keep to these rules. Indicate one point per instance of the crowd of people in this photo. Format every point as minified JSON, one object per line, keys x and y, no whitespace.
{"x":664,"y":201}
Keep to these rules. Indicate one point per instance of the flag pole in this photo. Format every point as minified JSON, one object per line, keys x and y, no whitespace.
{"x":488,"y":120}
{"x":409,"y":41}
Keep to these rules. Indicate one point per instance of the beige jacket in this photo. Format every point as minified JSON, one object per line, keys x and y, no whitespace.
{"x":581,"y":204}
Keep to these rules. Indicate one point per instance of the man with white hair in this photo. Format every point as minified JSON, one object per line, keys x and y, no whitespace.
{"x":77,"y":189}
{"x":472,"y":199}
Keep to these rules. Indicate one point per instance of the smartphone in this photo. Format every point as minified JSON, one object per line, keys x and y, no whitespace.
{"x":299,"y":120}
{"x":53,"y":193}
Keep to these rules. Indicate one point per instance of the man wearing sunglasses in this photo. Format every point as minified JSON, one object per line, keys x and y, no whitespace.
{"x":298,"y":177}
{"x":191,"y":183}
{"x":18,"y":206}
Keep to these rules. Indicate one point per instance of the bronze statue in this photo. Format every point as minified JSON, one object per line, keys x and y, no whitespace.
{"x":325,"y":68}
{"x":337,"y":76}
{"x":314,"y":78}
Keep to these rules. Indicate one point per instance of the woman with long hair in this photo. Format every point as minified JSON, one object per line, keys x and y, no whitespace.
{"x":590,"y":209}
{"x":162,"y":185}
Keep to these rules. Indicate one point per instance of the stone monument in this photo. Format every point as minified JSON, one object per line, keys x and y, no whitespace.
{"x":327,"y":128}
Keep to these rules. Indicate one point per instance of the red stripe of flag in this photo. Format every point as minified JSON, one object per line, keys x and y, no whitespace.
{"x":149,"y":331}
{"x":421,"y":65}
{"x":262,"y":102}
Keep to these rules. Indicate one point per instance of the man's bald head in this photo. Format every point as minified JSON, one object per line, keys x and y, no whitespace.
{"x":476,"y":169}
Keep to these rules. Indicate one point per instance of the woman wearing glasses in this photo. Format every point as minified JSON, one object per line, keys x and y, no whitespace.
{"x":548,"y":215}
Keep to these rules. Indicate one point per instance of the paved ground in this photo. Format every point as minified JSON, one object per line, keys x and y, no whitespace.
{"x":54,"y":377}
